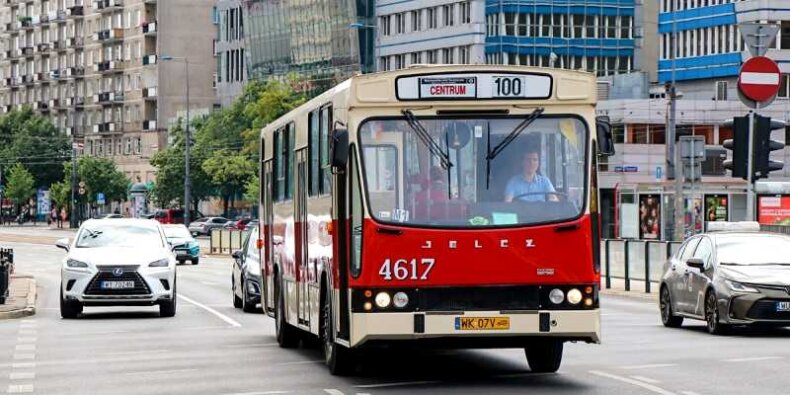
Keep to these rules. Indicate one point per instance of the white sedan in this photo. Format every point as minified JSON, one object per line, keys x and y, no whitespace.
{"x":123,"y":262}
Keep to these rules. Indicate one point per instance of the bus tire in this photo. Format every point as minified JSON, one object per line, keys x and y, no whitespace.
{"x":544,"y":356}
{"x":339,"y":359}
{"x":286,"y":334}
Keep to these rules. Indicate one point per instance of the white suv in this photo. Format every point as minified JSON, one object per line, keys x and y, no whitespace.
{"x":123,"y":262}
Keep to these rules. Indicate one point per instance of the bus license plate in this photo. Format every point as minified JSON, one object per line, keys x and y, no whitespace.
{"x":117,"y":284}
{"x":481,"y":323}
{"x":782,"y":306}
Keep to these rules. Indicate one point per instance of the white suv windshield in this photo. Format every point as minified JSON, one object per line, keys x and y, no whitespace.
{"x":100,"y":235}
{"x":474,"y":171}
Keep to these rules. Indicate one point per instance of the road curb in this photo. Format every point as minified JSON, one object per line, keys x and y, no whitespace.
{"x":630,"y":294}
{"x":30,"y":303}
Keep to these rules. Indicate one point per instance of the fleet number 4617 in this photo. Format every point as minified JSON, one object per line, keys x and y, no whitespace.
{"x":403,"y":269}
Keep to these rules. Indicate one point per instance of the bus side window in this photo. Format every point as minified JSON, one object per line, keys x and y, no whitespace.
{"x":355,"y":210}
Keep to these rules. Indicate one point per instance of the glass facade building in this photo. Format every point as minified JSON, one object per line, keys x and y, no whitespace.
{"x":323,"y":41}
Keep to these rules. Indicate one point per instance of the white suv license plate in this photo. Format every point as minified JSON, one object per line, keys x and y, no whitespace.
{"x":783,"y":306}
{"x":117,"y":284}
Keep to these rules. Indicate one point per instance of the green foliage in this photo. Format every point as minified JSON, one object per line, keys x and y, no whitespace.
{"x":252,"y":190}
{"x":169,"y":163}
{"x":228,"y":171}
{"x":60,"y":193}
{"x":99,"y":175}
{"x":33,"y":141}
{"x":20,"y":185}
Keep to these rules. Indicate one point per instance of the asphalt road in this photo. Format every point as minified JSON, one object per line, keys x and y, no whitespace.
{"x":211,"y":348}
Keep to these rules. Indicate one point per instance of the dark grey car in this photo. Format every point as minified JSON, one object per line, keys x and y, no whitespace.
{"x":246,"y":276}
{"x":728,"y":278}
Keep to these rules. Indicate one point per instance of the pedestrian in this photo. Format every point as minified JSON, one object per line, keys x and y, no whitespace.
{"x":63,"y":216}
{"x":56,"y":217}
{"x":33,"y":214}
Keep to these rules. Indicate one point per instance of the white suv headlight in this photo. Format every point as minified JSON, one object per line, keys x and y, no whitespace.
{"x":76,"y":264}
{"x":160,"y":263}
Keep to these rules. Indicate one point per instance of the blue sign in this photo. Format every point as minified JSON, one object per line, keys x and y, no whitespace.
{"x":42,"y":201}
{"x":99,"y":198}
{"x":659,"y":173}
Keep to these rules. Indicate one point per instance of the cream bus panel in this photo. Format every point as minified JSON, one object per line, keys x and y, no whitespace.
{"x":447,"y":86}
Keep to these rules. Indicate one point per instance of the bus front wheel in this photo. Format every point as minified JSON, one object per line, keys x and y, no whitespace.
{"x":339,"y":359}
{"x":287,"y":336}
{"x":544,"y":356}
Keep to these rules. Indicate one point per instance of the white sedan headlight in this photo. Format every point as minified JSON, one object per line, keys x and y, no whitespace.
{"x":739,"y":287}
{"x":73,"y":263}
{"x":160,"y":263}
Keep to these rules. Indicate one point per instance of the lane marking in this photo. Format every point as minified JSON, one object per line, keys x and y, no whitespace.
{"x":649,"y":387}
{"x":32,"y":339}
{"x":137,"y":352}
{"x":20,"y":389}
{"x":23,"y":365}
{"x":22,"y":375}
{"x":398,"y":384}
{"x":752,"y":359}
{"x":254,"y":345}
{"x":24,"y":356}
{"x":649,"y":366}
{"x":223,"y":317}
{"x":299,"y":362}
{"x":333,"y":391}
{"x":689,"y":393}
{"x":646,"y":379}
{"x":259,"y":393}
{"x":158,"y":372}
{"x":25,"y":347}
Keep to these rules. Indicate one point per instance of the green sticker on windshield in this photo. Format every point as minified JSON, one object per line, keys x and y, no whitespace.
{"x":479,"y":221}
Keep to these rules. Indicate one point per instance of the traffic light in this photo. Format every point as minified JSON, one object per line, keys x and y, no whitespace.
{"x":739,"y":145}
{"x":763,"y":145}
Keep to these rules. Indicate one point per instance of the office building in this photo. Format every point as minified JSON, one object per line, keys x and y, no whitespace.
{"x":231,"y":59}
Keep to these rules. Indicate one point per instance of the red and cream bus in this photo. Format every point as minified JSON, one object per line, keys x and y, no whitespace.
{"x":450,"y":206}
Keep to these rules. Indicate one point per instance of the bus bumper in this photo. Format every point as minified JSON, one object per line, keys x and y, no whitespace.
{"x":575,"y":325}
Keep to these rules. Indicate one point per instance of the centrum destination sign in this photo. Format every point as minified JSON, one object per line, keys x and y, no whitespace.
{"x":474,"y":86}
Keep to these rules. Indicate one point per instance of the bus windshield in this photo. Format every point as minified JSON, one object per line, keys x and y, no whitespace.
{"x":474,"y":172}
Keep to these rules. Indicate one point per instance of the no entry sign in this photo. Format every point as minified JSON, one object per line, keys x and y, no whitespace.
{"x":759,"y":79}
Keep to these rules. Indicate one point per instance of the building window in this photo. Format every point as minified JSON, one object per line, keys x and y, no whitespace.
{"x":400,"y":23}
{"x":448,"y":12}
{"x":384,"y":63}
{"x":432,"y":55}
{"x":463,"y":55}
{"x":784,"y":89}
{"x":385,"y":25}
{"x":416,"y":21}
{"x":433,"y":18}
{"x":464,"y":12}
{"x":448,"y":55}
{"x":415,"y":58}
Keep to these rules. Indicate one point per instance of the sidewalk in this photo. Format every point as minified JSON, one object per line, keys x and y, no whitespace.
{"x":35,"y":234}
{"x":21,"y":301}
{"x":637,"y":289}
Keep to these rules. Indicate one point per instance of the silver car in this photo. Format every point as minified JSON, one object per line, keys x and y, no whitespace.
{"x":203,"y":226}
{"x":728,"y":278}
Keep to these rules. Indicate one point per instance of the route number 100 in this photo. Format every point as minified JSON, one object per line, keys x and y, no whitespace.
{"x":403,"y":269}
{"x":508,"y":86}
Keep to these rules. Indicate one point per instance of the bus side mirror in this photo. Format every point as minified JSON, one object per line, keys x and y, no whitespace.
{"x":339,"y":148}
{"x":603,"y":130}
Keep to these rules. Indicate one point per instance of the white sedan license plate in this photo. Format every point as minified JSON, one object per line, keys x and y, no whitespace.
{"x":117,"y":284}
{"x":782,"y":306}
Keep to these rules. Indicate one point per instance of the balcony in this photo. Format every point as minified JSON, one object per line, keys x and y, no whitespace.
{"x":149,"y":28}
{"x":109,"y":36}
{"x":44,"y":77}
{"x":149,"y":93}
{"x":8,"y":108}
{"x":43,"y":47}
{"x":105,"y":98}
{"x":59,"y":45}
{"x":107,"y":5}
{"x":75,"y":72}
{"x":149,"y":126}
{"x":41,"y":106}
{"x":149,"y":60}
{"x":109,"y":66}
{"x":77,"y":102}
{"x":75,"y":42}
{"x":106,"y":127}
{"x":24,"y":22}
{"x":55,"y":104}
{"x":13,"y":81}
{"x":76,"y":11}
{"x":27,"y":79}
{"x":55,"y":75}
{"x":28,"y":52}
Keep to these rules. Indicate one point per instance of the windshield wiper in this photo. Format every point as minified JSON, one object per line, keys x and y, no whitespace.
{"x":492,"y":153}
{"x":425,"y":137}
{"x":92,"y":233}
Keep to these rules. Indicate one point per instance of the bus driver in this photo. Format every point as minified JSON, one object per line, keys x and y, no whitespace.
{"x":530,"y":186}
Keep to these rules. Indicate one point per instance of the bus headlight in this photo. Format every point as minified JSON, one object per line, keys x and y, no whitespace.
{"x":400,"y":300}
{"x":383,"y":300}
{"x":556,"y":296}
{"x":574,"y":296}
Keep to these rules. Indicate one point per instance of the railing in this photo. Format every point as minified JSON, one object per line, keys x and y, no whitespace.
{"x":225,"y":241}
{"x":635,"y":260}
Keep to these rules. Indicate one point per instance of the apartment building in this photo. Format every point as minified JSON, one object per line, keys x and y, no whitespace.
{"x":231,"y":59}
{"x":606,"y":37}
{"x":110,"y":73}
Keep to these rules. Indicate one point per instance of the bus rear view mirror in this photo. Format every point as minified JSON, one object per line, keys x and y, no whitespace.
{"x":604,"y":133}
{"x":339,"y":148}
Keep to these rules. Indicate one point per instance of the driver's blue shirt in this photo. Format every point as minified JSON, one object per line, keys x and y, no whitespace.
{"x":538,"y":188}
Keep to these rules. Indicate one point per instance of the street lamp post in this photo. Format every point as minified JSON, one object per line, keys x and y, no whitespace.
{"x":187,"y":141}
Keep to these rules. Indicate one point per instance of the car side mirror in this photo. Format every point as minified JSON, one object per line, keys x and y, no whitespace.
{"x":339,"y":148}
{"x":603,"y":129}
{"x":696,"y":263}
{"x":63,"y":243}
{"x":236,"y":254}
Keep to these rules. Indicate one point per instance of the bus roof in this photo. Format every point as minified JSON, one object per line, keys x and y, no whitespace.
{"x":402,"y":87}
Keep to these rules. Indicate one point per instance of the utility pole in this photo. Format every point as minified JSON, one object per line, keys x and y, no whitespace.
{"x":73,"y":202}
{"x":187,"y":143}
{"x":673,"y":170}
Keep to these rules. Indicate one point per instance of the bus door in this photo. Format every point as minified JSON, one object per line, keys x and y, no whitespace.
{"x":302,"y":239}
{"x":267,"y":259}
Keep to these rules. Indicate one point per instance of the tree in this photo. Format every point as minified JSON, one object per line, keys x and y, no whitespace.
{"x":275,"y":99}
{"x":169,"y":163}
{"x":229,"y":172}
{"x":33,"y":141}
{"x":60,"y":193}
{"x":20,"y":185}
{"x":100,"y":175}
{"x":252,"y":190}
